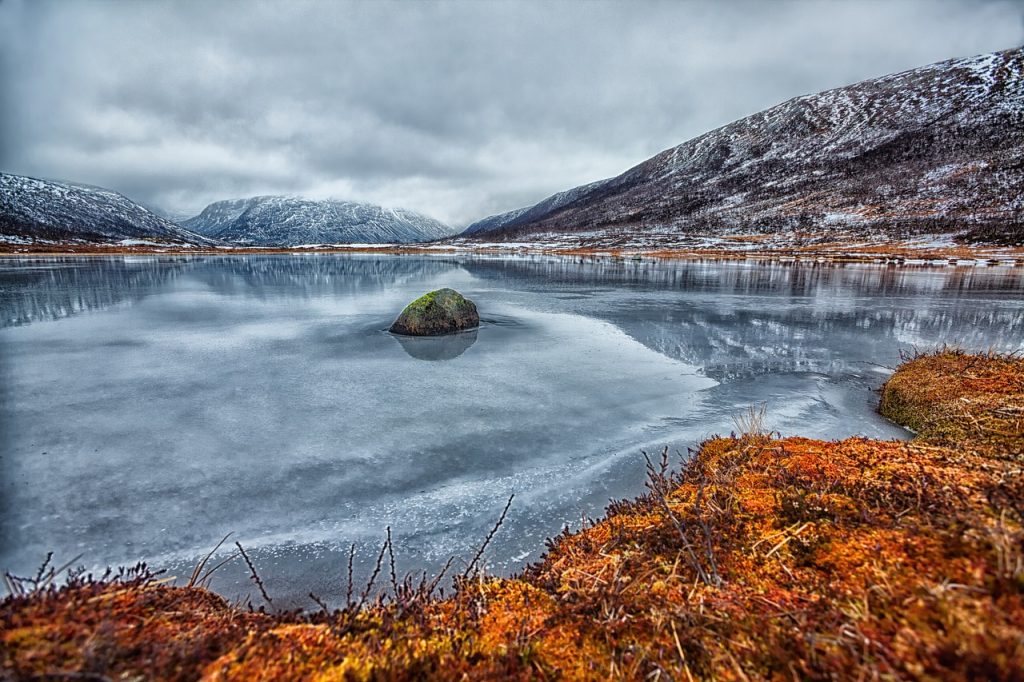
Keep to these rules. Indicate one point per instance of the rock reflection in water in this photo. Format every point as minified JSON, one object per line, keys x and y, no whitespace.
{"x":447,"y":347}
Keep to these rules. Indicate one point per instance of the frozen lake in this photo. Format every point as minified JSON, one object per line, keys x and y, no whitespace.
{"x":150,"y":405}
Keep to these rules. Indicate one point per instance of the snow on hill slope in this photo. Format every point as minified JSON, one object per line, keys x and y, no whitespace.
{"x":933,"y":150}
{"x":44,"y":210}
{"x":293,"y":221}
{"x":524,"y":215}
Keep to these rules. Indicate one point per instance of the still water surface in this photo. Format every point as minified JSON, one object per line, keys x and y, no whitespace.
{"x":150,"y":405}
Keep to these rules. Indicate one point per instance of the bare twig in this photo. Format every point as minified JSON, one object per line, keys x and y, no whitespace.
{"x":55,"y":572}
{"x":391,"y":563}
{"x":348,"y":592}
{"x":373,"y":576}
{"x":320,"y":603}
{"x":709,"y":549}
{"x":254,"y":576}
{"x":490,"y":536}
{"x":42,"y":568}
{"x":658,"y":483}
{"x":437,"y":579}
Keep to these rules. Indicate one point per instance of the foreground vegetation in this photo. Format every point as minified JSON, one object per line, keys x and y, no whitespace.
{"x":762,"y":557}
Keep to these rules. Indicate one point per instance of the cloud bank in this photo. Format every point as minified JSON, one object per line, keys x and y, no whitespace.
{"x":454,"y":109}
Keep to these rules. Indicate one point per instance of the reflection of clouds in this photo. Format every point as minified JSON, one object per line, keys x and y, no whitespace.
{"x":447,"y":347}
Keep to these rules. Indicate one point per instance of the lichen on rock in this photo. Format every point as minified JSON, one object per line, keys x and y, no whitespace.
{"x":444,"y":311}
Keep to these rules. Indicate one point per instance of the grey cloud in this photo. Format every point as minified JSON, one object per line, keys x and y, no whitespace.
{"x":456,"y":109}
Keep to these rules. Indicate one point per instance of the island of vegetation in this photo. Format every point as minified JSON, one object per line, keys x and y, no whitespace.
{"x":762,"y":557}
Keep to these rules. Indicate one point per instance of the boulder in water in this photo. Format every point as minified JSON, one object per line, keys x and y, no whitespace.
{"x":444,"y":311}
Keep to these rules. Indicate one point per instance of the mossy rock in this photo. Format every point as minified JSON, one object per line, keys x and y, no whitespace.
{"x":444,"y":311}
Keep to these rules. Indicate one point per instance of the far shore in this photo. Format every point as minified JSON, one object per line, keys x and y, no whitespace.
{"x":908,"y":253}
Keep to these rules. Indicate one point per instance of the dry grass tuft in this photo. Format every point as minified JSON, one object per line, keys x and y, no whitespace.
{"x":751,"y":422}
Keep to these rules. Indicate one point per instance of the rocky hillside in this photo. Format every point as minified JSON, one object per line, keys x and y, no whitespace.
{"x":937,"y":150}
{"x":42,"y":210}
{"x":293,"y":221}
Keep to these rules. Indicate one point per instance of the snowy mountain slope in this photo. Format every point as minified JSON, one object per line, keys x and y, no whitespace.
{"x":933,"y":150}
{"x":33,"y":209}
{"x":524,"y":215}
{"x":219,"y":215}
{"x":292,"y":221}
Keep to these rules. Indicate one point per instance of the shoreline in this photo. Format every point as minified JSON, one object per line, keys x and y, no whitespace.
{"x":762,"y":557}
{"x":830,"y":254}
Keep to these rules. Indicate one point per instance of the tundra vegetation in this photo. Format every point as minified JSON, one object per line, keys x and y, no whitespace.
{"x":760,"y":557}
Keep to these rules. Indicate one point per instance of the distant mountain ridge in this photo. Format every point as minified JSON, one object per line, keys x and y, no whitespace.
{"x":933,"y":150}
{"x":34,"y":209}
{"x":525,"y":215}
{"x":294,"y":221}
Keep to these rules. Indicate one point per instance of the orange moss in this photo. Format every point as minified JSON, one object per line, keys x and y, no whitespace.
{"x":127,"y":629}
{"x":951,"y":397}
{"x":763,"y":558}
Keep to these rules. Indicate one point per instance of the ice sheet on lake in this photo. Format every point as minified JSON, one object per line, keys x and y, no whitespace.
{"x":148,"y":407}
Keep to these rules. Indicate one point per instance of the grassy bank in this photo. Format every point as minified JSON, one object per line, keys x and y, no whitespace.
{"x":762,"y":557}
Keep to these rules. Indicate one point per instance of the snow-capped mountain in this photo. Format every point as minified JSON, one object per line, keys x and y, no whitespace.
{"x":293,"y":221}
{"x":933,"y":150}
{"x":32,"y":209}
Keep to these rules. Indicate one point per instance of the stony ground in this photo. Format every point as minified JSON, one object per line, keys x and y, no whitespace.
{"x":760,"y":558}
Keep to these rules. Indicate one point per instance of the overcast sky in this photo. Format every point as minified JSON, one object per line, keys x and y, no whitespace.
{"x":454,"y":109}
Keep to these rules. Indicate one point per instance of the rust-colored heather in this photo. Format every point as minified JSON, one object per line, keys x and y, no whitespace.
{"x":763,"y":558}
{"x":114,"y":629}
{"x":956,"y":398}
